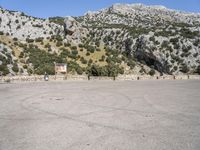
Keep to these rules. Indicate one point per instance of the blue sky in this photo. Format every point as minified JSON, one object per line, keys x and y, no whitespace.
{"x":48,"y":8}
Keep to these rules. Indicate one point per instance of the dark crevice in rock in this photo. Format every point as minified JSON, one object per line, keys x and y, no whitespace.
{"x":144,"y":55}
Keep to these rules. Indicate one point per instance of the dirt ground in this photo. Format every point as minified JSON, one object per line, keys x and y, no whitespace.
{"x":100,"y":115}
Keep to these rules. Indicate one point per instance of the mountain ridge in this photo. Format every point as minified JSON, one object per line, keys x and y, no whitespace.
{"x":132,"y":38}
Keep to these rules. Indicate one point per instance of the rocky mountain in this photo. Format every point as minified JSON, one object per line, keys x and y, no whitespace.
{"x":124,"y":38}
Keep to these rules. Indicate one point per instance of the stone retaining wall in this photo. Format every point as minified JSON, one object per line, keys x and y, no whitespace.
{"x":85,"y":78}
{"x":76,"y":77}
{"x":101,"y":78}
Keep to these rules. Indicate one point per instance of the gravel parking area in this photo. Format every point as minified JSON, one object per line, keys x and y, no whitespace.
{"x":100,"y":115}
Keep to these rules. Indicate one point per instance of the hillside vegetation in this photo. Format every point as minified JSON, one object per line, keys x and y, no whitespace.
{"x":122,"y":39}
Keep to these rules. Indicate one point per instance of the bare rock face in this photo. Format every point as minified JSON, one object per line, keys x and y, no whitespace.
{"x":73,"y":30}
{"x":140,"y":14}
{"x":146,"y":55}
{"x":70,"y":25}
{"x":21,"y":26}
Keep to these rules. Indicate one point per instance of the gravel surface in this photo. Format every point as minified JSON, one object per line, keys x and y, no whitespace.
{"x":100,"y":115}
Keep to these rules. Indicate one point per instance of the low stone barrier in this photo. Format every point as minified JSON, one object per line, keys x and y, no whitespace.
{"x":101,"y":78}
{"x":144,"y":77}
{"x":127,"y":77}
{"x":182,"y":77}
{"x":194,"y":77}
{"x":21,"y":78}
{"x":92,"y":78}
{"x":165,"y":77}
{"x":76,"y":77}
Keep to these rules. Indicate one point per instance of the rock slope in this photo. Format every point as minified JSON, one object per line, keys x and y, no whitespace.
{"x":168,"y":37}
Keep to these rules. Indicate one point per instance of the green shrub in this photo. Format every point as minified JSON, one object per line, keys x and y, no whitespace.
{"x":172,"y":61}
{"x":131,"y":64}
{"x":164,"y":33}
{"x":79,"y":70}
{"x":15,"y":43}
{"x":59,"y":38}
{"x":110,"y":70}
{"x":73,"y":47}
{"x":48,"y":68}
{"x":90,"y":61}
{"x":57,"y":20}
{"x":186,"y":48}
{"x":18,"y":27}
{"x":157,"y":42}
{"x":73,"y":66}
{"x":40,"y":39}
{"x":184,"y":68}
{"x":164,"y":44}
{"x":15,"y":39}
{"x":21,"y":55}
{"x":87,"y":54}
{"x":152,"y":72}
{"x":174,"y":40}
{"x":98,"y":49}
{"x":196,"y":42}
{"x":175,"y":68}
{"x":4,"y":69}
{"x":59,"y":43}
{"x":102,"y":58}
{"x":64,"y":53}
{"x":198,"y":69}
{"x":67,"y":44}
{"x":29,"y":40}
{"x":74,"y":52}
{"x":91,"y":49}
{"x":176,"y":46}
{"x":25,"y":66}
{"x":118,"y":32}
{"x":30,"y":71}
{"x":47,"y":46}
{"x":83,"y":61}
{"x":152,"y":39}
{"x":185,"y":32}
{"x":15,"y":68}
{"x":42,"y":61}
{"x":80,"y":45}
{"x":38,"y":25}
{"x":17,"y":21}
{"x":97,"y":43}
{"x":5,"y":50}
{"x":195,"y":55}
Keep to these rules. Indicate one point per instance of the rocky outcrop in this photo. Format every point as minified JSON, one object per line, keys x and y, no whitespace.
{"x":171,"y":36}
{"x":150,"y":58}
{"x":73,"y":30}
{"x":21,"y":26}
